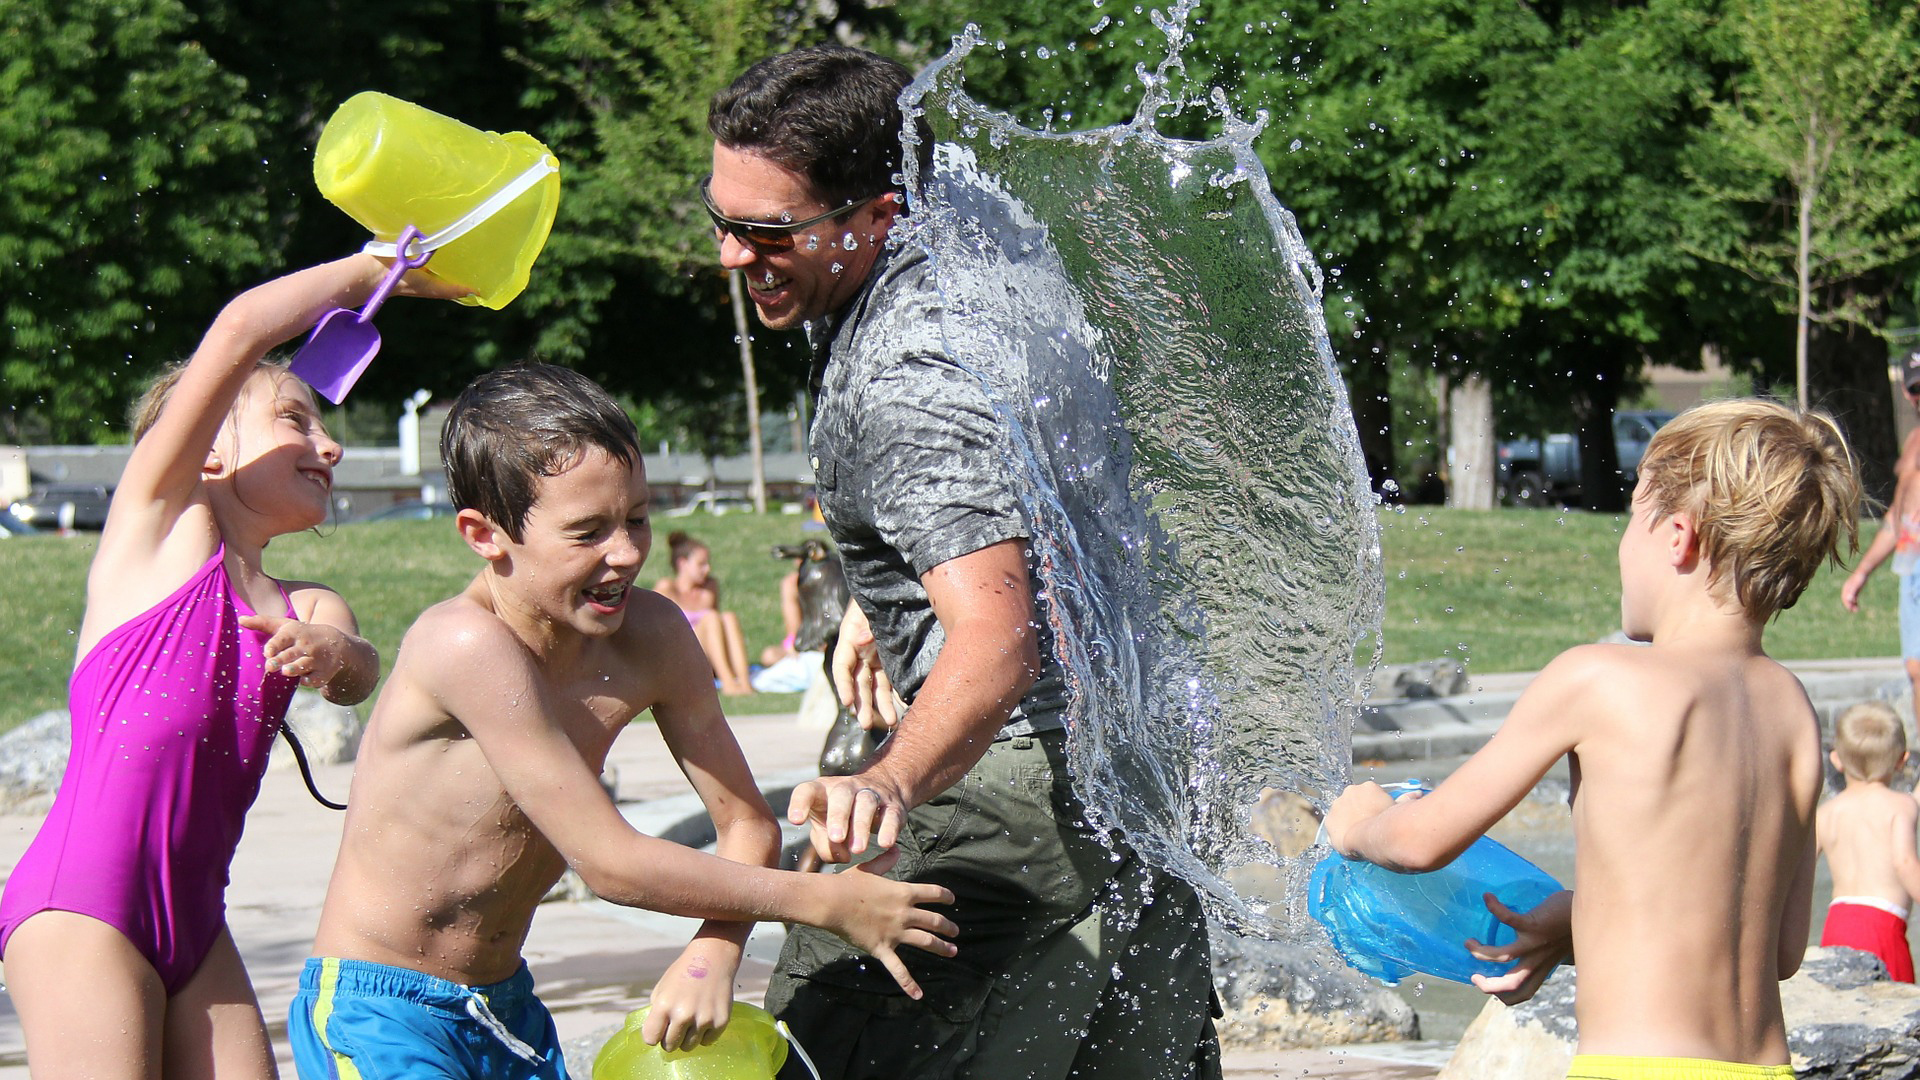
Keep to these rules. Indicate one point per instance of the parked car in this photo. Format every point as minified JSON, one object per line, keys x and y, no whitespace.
{"x":12,"y":525}
{"x":410,"y":510}
{"x":1542,"y":472}
{"x":64,"y":506}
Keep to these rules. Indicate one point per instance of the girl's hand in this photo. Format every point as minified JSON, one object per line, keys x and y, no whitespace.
{"x":314,"y":653}
{"x":693,"y":1001}
{"x":878,"y":914}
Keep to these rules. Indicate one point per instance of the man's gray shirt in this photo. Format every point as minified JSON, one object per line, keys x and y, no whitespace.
{"x":914,"y":468}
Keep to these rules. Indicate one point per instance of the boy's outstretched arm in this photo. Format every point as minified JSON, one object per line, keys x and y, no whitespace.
{"x":485,"y":679}
{"x":693,"y":1000}
{"x":1423,"y":833}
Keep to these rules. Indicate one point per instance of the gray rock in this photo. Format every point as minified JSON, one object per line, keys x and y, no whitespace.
{"x":329,"y":733}
{"x":581,"y":1051}
{"x":1278,"y":996}
{"x":1845,"y":1021}
{"x":1433,"y":678}
{"x":33,"y":757}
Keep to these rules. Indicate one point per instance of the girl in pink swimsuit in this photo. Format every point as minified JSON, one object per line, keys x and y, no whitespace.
{"x":113,"y":923}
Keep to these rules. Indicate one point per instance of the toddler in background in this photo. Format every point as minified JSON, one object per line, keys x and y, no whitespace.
{"x":1867,"y":835}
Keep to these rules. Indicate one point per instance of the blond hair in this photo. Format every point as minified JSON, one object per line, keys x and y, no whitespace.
{"x":146,"y":409}
{"x":1770,"y":489}
{"x":1869,"y":741}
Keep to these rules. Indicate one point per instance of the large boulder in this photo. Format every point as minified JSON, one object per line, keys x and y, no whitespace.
{"x":1845,"y":1021}
{"x":33,"y":757}
{"x":1277,"y":996}
{"x":329,"y":733}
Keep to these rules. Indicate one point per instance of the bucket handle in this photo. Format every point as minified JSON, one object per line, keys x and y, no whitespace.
{"x":473,"y":218}
{"x":782,"y":1028}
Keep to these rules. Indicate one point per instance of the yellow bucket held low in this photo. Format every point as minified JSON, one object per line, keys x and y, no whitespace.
{"x":483,"y":201}
{"x":753,"y":1047}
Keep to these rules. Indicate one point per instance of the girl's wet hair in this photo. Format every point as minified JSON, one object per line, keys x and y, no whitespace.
{"x":830,"y":113}
{"x":1771,"y":489}
{"x":146,"y":409}
{"x":512,"y":426}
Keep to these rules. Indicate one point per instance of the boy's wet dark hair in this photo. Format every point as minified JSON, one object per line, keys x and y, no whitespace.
{"x":830,"y":113}
{"x":512,"y":426}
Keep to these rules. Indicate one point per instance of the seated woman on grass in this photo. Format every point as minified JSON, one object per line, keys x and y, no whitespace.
{"x":695,"y":589}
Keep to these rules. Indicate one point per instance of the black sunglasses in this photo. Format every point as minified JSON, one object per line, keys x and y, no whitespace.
{"x":770,"y":237}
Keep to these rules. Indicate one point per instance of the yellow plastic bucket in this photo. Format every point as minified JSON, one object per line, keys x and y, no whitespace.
{"x":753,"y":1047}
{"x":390,"y":163}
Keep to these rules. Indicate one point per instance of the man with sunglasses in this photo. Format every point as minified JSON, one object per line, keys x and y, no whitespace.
{"x":1075,"y":958}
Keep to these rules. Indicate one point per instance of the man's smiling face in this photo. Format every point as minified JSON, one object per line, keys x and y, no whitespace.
{"x":828,"y":263}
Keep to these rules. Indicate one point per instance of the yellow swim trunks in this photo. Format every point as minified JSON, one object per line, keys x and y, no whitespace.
{"x":1608,"y":1067}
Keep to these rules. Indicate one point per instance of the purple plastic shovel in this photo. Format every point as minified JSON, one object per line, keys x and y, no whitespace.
{"x":344,"y":342}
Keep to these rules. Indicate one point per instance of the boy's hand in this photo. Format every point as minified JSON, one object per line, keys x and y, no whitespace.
{"x":878,"y":914}
{"x":1357,"y":804}
{"x":1543,"y":941}
{"x":693,"y":1001}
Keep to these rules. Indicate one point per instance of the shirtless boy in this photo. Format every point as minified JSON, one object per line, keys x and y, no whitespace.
{"x":1696,"y":762}
{"x":1867,"y":834}
{"x":478,"y":779}
{"x":1899,"y":539}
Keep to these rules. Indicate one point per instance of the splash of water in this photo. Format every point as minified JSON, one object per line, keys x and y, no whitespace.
{"x":1147,"y":319}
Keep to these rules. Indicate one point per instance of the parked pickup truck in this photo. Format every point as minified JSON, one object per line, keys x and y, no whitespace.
{"x":1546,"y":472}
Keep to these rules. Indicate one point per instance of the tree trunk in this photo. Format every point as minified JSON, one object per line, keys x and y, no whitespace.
{"x":1602,"y":488}
{"x":1803,"y":269}
{"x":1470,"y":443}
{"x":757,"y":491}
{"x":1370,"y":396}
{"x":1849,"y":364}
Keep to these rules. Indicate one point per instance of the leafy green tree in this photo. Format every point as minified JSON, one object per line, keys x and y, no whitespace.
{"x":1811,"y":163}
{"x":132,"y":205}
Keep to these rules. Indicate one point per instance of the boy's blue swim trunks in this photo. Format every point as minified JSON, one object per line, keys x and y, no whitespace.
{"x":353,"y":1020}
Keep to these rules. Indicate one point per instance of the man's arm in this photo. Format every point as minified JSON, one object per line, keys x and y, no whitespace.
{"x":990,"y":659}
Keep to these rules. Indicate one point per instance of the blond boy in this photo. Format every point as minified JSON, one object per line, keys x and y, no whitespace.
{"x":1696,"y":761}
{"x":477,"y":782}
{"x":1867,"y":834}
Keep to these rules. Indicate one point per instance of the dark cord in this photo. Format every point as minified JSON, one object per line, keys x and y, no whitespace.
{"x":306,"y":772}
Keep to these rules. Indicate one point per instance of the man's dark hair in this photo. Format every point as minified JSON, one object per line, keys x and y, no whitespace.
{"x":830,"y":113}
{"x":514,"y":425}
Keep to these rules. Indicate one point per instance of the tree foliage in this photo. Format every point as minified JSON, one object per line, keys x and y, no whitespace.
{"x":1810,"y":163}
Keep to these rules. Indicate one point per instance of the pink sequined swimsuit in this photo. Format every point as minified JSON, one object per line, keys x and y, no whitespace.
{"x":173,"y":716}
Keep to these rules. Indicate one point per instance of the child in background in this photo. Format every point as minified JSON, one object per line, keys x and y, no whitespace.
{"x":1899,"y":539}
{"x":1867,"y":834}
{"x":114,"y":921}
{"x":694,"y":588}
{"x":477,"y":781}
{"x":1696,"y":762}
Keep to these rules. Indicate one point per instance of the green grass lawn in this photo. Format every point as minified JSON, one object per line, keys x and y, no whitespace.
{"x":1505,"y":590}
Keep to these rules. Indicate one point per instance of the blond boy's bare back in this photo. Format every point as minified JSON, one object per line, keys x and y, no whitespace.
{"x":1697,"y":772}
{"x":1867,"y":834}
{"x":448,"y":881}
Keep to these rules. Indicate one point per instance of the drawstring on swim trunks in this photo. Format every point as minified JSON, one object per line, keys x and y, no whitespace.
{"x":477,"y":1008}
